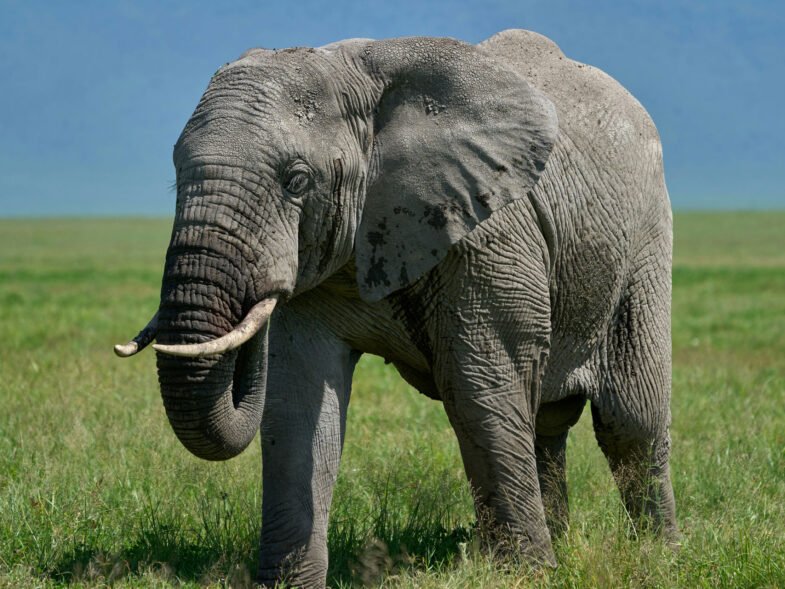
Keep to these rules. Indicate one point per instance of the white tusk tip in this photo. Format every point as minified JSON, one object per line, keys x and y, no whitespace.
{"x":126,"y":350}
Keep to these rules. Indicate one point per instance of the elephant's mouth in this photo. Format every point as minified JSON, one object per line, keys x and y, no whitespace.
{"x":249,"y":369}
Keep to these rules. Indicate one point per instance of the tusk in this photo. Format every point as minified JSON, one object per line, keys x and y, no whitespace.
{"x":247,"y":328}
{"x":141,"y":341}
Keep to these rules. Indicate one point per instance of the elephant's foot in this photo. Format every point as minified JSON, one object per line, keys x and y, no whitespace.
{"x":532,"y":548}
{"x":303,"y":574}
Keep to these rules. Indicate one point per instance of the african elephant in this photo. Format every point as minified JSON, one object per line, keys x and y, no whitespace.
{"x":491,"y":219}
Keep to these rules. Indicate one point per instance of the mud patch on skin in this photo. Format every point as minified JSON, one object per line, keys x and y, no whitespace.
{"x":539,"y":158}
{"x":375,"y":238}
{"x":377,"y":272}
{"x":432,"y":106}
{"x":404,"y":276}
{"x":307,"y":107}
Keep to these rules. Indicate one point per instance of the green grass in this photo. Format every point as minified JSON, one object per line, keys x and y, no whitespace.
{"x":95,"y":489}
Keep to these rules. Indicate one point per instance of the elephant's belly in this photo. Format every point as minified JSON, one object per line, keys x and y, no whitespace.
{"x":573,"y":359}
{"x":572,"y":367}
{"x":556,"y":417}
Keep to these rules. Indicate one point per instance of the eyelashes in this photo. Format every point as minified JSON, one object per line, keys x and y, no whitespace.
{"x":297,"y":183}
{"x":297,"y":179}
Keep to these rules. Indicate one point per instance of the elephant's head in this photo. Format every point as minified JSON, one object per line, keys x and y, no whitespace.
{"x":296,"y":161}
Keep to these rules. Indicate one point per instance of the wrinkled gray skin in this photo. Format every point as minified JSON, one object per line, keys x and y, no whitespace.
{"x":491,"y":219}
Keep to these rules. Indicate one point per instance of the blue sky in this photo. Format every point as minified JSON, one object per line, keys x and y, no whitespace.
{"x":94,"y":94}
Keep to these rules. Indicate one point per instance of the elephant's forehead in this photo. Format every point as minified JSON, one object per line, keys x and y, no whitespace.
{"x":222,"y":132}
{"x":264,"y":101}
{"x":301,"y":70}
{"x":290,"y":90}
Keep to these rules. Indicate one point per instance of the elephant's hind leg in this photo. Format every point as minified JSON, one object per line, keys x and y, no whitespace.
{"x":554,"y":421}
{"x":631,"y":413}
{"x":640,"y":468}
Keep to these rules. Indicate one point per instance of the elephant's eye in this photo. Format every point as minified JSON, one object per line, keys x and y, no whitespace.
{"x":297,"y":181}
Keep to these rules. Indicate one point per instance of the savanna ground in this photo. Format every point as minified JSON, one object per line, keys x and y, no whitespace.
{"x":95,"y":489}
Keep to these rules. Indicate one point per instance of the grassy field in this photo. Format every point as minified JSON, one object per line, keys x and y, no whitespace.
{"x":95,"y":489}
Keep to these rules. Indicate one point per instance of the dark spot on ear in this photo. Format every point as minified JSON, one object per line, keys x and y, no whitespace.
{"x":403,"y":211}
{"x":434,"y":253}
{"x":375,"y":238}
{"x":484,"y":199}
{"x":436,"y":217}
{"x":404,"y":277}
{"x":376,"y":274}
{"x":502,"y":168}
{"x":537,"y":158}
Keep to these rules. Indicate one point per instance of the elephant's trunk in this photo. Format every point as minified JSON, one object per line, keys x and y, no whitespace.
{"x":214,"y":402}
{"x":215,"y":406}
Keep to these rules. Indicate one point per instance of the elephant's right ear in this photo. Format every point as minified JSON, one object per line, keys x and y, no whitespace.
{"x":457,"y":136}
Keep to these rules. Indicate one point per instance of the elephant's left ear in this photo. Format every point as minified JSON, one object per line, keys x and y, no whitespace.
{"x":458,"y":135}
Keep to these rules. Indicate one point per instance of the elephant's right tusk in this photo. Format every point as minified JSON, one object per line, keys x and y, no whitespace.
{"x":245,"y":330}
{"x":141,"y":341}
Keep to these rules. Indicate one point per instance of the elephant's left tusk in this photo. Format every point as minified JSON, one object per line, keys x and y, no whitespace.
{"x":245,"y":330}
{"x":141,"y":341}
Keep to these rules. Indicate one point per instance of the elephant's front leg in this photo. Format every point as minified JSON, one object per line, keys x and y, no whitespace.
{"x":308,"y":384}
{"x":491,"y":341}
{"x":490,"y":408}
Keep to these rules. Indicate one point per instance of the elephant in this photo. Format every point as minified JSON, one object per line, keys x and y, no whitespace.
{"x":491,"y":219}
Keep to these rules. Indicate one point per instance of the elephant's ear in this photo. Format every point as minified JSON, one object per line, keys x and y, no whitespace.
{"x":457,"y":136}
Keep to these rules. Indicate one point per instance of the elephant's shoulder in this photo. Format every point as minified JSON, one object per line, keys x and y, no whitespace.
{"x":589,"y":102}
{"x":543,"y":64}
{"x":523,"y":46}
{"x":530,"y":54}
